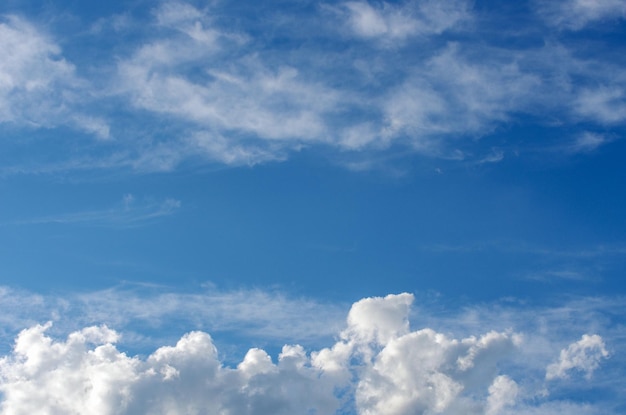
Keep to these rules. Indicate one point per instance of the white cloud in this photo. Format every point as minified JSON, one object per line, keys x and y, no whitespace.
{"x":588,"y":141}
{"x":238,"y":110}
{"x":379,"y":319}
{"x":576,"y":14}
{"x":495,"y":156}
{"x":268,"y":105}
{"x":455,"y":95}
{"x":86,"y":374}
{"x":193,"y":87}
{"x":378,"y":366}
{"x":585,"y":355}
{"x":389,"y":22}
{"x":253,"y":313}
{"x":245,"y":107}
{"x":607,"y":105}
{"x":38,"y":87}
{"x":502,"y":393}
{"x":178,"y":14}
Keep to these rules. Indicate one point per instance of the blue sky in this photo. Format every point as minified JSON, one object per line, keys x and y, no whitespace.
{"x":368,"y":183}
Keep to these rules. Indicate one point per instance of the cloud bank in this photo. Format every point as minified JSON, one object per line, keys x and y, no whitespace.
{"x":378,"y":365}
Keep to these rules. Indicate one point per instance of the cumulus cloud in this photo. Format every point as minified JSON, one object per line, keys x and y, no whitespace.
{"x":502,"y":393}
{"x":87,"y":374}
{"x":585,"y":355}
{"x":379,"y":365}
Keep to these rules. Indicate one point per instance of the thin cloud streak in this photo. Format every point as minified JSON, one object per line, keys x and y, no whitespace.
{"x":244,"y":312}
{"x":128,"y":213}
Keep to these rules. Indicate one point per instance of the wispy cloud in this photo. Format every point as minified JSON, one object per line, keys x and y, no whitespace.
{"x":389,"y":22}
{"x":505,"y":246}
{"x":420,"y":77}
{"x":605,"y":104}
{"x":128,"y":212}
{"x":588,"y":142}
{"x":576,"y":14}
{"x":577,"y":265}
{"x":38,"y":87}
{"x":246,"y":312}
{"x":560,"y":275}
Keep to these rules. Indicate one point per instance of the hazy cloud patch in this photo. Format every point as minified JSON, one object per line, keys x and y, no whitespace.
{"x":38,"y":86}
{"x":576,"y":14}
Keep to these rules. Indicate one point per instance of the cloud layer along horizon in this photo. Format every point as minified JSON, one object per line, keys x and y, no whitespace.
{"x":378,"y":365}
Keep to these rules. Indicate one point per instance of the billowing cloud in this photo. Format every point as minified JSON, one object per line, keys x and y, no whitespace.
{"x":87,"y":374}
{"x":379,"y":365}
{"x":502,"y":393}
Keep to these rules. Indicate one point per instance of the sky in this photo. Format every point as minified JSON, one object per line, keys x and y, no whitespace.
{"x":313,"y":207}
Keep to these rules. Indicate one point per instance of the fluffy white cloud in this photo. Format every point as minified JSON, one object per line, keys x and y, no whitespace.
{"x":502,"y":393}
{"x":377,"y":320}
{"x":379,"y":366}
{"x":86,"y":374}
{"x":585,"y":355}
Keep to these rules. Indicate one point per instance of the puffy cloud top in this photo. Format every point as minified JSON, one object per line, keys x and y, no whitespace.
{"x":585,"y":355}
{"x":379,"y":366}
